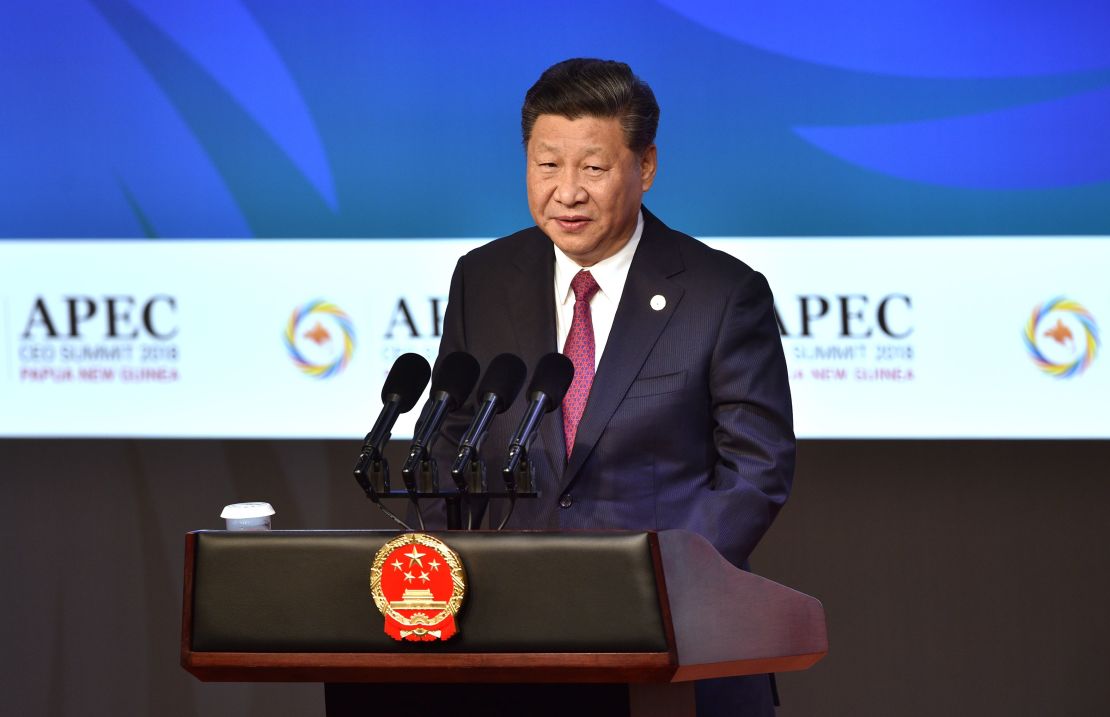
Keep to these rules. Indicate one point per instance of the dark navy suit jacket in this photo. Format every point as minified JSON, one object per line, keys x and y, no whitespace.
{"x":688,"y":423}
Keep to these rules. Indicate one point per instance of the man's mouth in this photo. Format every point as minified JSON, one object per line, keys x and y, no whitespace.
{"x":572,"y":222}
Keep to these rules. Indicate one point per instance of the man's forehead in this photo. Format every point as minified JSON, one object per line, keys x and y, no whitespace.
{"x":582,"y":135}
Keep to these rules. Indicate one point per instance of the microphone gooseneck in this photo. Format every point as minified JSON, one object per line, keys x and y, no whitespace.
{"x":453,"y":381}
{"x":402,"y":388}
{"x":550,"y":382}
{"x":498,"y":390}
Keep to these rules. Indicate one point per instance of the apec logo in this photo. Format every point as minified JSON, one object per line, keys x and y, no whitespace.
{"x":107,"y":317}
{"x":1061,"y":337}
{"x":412,"y":326}
{"x":411,"y":321}
{"x":848,"y":338}
{"x":320,"y":339}
{"x":847,"y":316}
{"x":99,"y":339}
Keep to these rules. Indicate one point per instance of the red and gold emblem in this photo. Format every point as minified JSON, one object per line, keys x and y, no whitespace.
{"x":418,"y":584}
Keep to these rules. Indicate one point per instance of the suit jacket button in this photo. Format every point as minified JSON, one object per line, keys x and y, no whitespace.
{"x":565,"y":501}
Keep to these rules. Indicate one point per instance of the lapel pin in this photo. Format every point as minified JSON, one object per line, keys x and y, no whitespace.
{"x":658,"y":302}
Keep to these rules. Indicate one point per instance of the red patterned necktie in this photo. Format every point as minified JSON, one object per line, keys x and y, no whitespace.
{"x":580,"y":350}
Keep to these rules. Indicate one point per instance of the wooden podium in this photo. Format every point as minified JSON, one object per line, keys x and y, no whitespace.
{"x":596,"y":622}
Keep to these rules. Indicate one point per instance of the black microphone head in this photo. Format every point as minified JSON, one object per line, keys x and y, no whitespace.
{"x":504,"y":378}
{"x":456,"y":376}
{"x":553,"y":375}
{"x":407,"y":379}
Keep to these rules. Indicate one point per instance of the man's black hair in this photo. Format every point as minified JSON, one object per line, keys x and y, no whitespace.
{"x":584,"y":87}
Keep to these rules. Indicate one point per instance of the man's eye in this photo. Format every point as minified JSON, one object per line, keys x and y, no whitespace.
{"x":547,"y":165}
{"x":594,"y":170}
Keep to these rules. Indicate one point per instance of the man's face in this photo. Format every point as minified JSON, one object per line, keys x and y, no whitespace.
{"x":585,"y":185}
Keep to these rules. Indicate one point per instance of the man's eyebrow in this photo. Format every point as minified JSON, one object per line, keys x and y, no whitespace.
{"x":541,"y":145}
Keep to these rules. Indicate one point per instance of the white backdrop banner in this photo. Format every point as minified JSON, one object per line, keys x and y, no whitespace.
{"x":885,"y":338}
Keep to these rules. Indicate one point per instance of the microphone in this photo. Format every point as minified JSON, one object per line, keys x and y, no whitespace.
{"x":549,"y":384}
{"x":453,"y":382}
{"x":499,"y":388}
{"x":403,"y":386}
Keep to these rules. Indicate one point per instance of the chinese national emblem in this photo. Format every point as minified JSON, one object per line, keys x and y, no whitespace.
{"x":418,"y":584}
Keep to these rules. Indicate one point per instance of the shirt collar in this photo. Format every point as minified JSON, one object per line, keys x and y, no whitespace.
{"x":609,"y":273}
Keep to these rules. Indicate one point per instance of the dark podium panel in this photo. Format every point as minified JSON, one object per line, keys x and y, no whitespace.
{"x":583,"y":608}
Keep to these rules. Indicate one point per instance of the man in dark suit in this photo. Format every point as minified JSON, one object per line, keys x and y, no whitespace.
{"x":680,"y":413}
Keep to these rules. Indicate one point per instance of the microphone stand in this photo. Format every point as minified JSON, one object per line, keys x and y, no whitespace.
{"x":471,"y":483}
{"x":471,"y":487}
{"x":520,"y":478}
{"x":421,"y":480}
{"x":376,"y":484}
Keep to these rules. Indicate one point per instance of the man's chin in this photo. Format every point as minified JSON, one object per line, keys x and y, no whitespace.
{"x":582,"y":253}
{"x":567,"y":241}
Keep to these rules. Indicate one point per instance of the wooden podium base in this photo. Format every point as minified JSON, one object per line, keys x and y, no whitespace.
{"x":510,"y":700}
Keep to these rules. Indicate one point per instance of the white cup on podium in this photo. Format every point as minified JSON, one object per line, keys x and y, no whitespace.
{"x":248,"y":516}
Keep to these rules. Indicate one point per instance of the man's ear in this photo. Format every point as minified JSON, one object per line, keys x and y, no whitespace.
{"x":648,"y":164}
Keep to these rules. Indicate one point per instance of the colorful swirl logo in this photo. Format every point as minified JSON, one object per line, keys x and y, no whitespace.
{"x":310,"y":338}
{"x":1062,"y":337}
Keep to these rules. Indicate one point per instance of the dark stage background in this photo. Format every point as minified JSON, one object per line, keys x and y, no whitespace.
{"x":959,"y":578}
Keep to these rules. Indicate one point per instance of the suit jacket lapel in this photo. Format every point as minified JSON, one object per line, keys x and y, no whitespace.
{"x":528,"y":288}
{"x":636,"y":328}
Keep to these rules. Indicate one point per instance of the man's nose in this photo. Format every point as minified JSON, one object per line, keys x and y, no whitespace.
{"x":570,"y":191}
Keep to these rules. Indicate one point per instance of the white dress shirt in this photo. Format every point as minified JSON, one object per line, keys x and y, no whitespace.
{"x":610,"y":275}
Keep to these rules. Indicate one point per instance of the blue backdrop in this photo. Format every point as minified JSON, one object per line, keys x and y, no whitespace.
{"x":220,"y":118}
